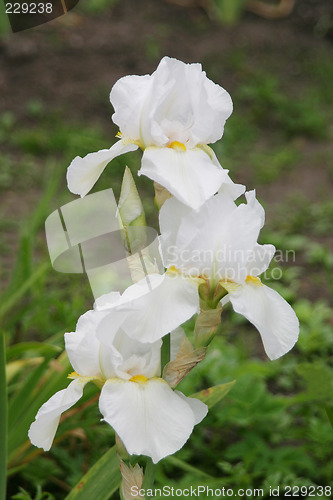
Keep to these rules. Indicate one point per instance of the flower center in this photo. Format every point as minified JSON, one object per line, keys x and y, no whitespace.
{"x":139,"y":379}
{"x":178,"y":146}
{"x":254,"y":280}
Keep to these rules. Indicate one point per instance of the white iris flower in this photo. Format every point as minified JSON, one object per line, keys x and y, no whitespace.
{"x":172,"y":115}
{"x":219,"y":244}
{"x":215,"y":246}
{"x":149,"y":417}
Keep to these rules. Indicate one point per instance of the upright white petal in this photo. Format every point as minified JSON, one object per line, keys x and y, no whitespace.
{"x":170,"y":216}
{"x":189,"y":175}
{"x":43,"y":429}
{"x":149,"y":417}
{"x":216,"y":240}
{"x":147,"y":315}
{"x":256,"y":207}
{"x":130,"y":357}
{"x":274,"y":318}
{"x":83,"y":173}
{"x":184,"y":105}
{"x":128,"y":97}
{"x":83,"y":347}
{"x":213,"y":108}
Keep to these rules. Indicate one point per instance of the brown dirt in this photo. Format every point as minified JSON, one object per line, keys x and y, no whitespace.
{"x":71,"y":64}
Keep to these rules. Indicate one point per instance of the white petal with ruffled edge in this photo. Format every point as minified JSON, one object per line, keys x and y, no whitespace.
{"x":147,"y":314}
{"x":198,"y":245}
{"x":176,"y":103}
{"x":42,"y":431}
{"x":150,"y":418}
{"x":83,"y":173}
{"x":189,"y":175}
{"x":274,"y":318}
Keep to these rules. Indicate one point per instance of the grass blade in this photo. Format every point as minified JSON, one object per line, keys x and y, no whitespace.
{"x":3,"y":418}
{"x":26,"y":285}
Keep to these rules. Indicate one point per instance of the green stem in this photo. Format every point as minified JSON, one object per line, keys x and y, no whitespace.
{"x":3,"y":418}
{"x":149,"y":477}
{"x":165,"y":351}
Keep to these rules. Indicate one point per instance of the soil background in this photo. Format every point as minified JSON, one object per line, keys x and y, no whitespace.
{"x":71,"y":63}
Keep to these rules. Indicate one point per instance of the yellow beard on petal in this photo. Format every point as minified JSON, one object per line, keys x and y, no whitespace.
{"x":254,"y":280}
{"x":127,"y":140}
{"x":173,"y":271}
{"x":178,"y":146}
{"x":139,"y":379}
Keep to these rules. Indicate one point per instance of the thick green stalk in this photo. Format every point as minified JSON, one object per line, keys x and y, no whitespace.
{"x":3,"y":418}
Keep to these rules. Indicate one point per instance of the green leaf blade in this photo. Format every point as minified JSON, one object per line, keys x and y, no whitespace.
{"x":101,"y":481}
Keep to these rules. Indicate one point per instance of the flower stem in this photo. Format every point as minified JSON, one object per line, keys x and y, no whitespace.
{"x":165,"y":351}
{"x":3,"y":419}
{"x":149,"y":476}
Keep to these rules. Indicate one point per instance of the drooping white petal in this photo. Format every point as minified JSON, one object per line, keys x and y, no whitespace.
{"x":199,"y":408}
{"x":149,"y":417}
{"x":229,"y":188}
{"x":43,"y":429}
{"x":83,"y":173}
{"x":83,"y":347}
{"x":146,"y":315}
{"x":189,"y":175}
{"x":274,"y":318}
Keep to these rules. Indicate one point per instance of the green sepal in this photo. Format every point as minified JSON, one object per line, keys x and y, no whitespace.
{"x":206,"y":325}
